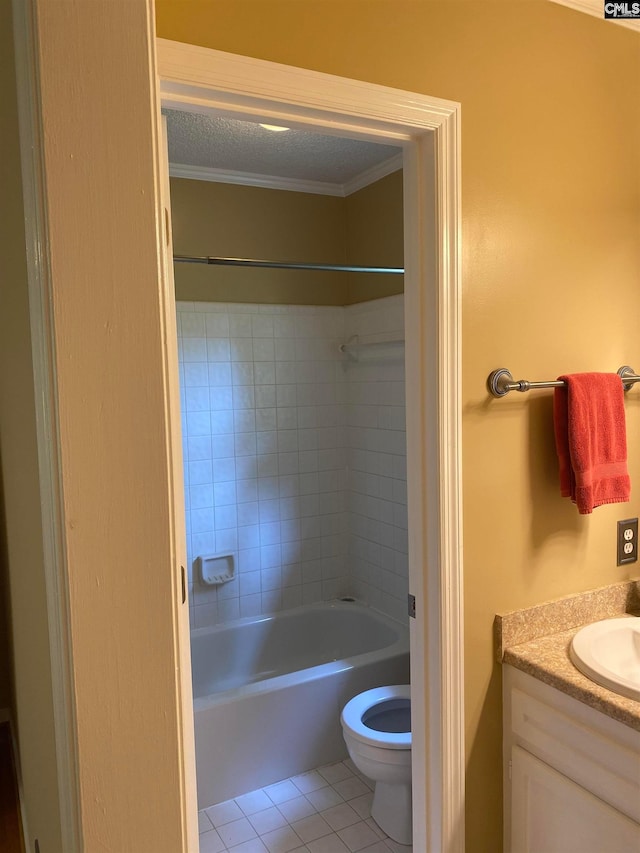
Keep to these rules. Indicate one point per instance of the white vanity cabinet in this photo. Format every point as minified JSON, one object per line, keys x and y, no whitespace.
{"x":571,"y":773}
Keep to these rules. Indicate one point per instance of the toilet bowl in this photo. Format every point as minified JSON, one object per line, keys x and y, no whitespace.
{"x":376,"y":726}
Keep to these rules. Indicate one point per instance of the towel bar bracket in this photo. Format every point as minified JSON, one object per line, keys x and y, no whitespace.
{"x":500,"y":382}
{"x":624,"y":372}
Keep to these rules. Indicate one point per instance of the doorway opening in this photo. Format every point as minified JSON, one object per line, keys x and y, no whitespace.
{"x":208,"y":82}
{"x":293,"y":420}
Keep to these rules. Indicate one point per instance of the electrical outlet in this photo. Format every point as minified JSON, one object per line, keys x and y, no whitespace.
{"x":627,"y":541}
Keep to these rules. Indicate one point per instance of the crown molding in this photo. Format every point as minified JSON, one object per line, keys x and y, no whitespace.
{"x":250,"y":179}
{"x":276,"y":182}
{"x":375,"y":173}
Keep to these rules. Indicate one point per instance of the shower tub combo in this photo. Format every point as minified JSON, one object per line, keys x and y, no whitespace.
{"x":268,"y":691}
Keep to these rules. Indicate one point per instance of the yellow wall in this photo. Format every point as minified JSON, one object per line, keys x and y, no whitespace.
{"x":375,"y":236}
{"x":21,"y":553}
{"x":253,"y":222}
{"x":551,"y":205}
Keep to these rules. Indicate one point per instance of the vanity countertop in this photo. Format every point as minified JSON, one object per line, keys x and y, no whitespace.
{"x":547,"y":659}
{"x":537,"y":640}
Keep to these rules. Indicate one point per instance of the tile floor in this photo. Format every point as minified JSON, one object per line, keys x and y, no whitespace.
{"x":327,"y":810}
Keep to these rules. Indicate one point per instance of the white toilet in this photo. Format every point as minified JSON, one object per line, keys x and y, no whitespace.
{"x":376,"y":726}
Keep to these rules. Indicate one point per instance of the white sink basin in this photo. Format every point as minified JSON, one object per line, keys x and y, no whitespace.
{"x":608,"y":653}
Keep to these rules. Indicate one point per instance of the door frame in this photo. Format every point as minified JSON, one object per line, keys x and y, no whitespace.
{"x":198,"y":79}
{"x":99,"y":742}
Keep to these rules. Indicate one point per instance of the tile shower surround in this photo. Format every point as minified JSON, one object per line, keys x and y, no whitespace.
{"x":294,"y":456}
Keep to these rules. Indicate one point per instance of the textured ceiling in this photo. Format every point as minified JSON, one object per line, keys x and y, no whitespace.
{"x":222,"y":143}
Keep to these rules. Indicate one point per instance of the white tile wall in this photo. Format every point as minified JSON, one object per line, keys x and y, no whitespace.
{"x":376,"y":453}
{"x":264,"y":450}
{"x":294,"y":458}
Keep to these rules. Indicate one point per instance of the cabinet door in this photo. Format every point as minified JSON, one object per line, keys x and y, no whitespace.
{"x":552,"y":814}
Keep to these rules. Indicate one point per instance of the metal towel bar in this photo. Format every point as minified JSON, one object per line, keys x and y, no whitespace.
{"x":500,"y":381}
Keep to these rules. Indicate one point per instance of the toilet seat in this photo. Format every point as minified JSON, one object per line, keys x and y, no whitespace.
{"x":357,"y":707}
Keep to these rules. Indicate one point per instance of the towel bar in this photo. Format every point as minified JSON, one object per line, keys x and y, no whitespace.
{"x":500,"y":381}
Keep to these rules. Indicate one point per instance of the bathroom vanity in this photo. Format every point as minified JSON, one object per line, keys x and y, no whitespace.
{"x":571,"y":748}
{"x":571,"y":773}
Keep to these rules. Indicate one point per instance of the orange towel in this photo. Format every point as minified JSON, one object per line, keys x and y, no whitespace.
{"x":591,"y":440}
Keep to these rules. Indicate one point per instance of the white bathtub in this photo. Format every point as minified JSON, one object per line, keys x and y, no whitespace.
{"x":268,"y":691}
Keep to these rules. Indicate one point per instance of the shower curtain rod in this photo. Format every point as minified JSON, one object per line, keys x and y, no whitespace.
{"x":250,"y":262}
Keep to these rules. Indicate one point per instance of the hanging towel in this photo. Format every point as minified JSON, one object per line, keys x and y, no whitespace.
{"x":591,"y":440}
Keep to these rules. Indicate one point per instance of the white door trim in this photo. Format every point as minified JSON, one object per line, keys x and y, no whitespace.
{"x":44,"y":380}
{"x":78,"y":819}
{"x":200,"y":79}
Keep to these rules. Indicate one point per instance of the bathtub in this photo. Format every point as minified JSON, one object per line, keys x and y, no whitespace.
{"x":268,"y":691}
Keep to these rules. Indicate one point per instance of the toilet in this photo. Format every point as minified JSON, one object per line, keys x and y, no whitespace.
{"x":376,"y":726}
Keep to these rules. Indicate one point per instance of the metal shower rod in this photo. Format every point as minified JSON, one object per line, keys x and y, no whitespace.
{"x":250,"y":262}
